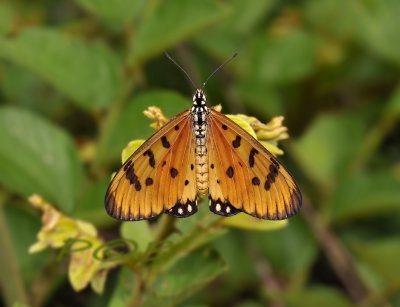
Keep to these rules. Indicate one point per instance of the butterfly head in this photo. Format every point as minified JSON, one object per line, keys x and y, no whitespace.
{"x":199,"y":98}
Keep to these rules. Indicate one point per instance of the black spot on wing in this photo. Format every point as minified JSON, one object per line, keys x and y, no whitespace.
{"x":152,"y":161}
{"x":149,"y":181}
{"x":174,"y":172}
{"x":253,"y":152}
{"x":183,"y":209}
{"x":191,"y":166}
{"x":222,"y":208}
{"x":236,"y":142}
{"x":176,"y":127}
{"x":273,"y":168}
{"x":127,"y":164}
{"x":255,"y":181}
{"x":230,"y":172}
{"x":165,"y":142}
{"x":130,"y":174}
{"x":273,"y":173}
{"x":224,"y":127}
{"x":186,"y":182}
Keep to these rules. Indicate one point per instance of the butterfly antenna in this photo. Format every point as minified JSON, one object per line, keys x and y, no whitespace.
{"x":218,"y":68}
{"x":180,"y":67}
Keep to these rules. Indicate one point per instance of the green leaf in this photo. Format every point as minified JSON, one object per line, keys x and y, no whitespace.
{"x":180,"y":282}
{"x":366,"y":194}
{"x":318,"y":12}
{"x":191,"y":234}
{"x":235,"y":249}
{"x":373,"y":23}
{"x":37,"y":157}
{"x":379,"y":260}
{"x":90,"y":74}
{"x":139,"y":232}
{"x":23,"y":228}
{"x":6,"y":18}
{"x":170,"y":22}
{"x":120,"y":12}
{"x":134,"y":125}
{"x":254,"y":10}
{"x":317,"y":296}
{"x":25,"y":89}
{"x":290,"y":250}
{"x":377,"y":24}
{"x":91,"y":204}
{"x":327,"y":147}
{"x":229,"y":34}
{"x":263,"y":99}
{"x":122,"y":295}
{"x":283,"y":59}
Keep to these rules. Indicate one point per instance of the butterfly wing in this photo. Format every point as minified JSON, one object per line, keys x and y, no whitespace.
{"x":245,"y":176}
{"x":158,"y":177}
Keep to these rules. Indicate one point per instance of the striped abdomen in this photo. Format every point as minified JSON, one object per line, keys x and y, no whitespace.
{"x":200,"y":132}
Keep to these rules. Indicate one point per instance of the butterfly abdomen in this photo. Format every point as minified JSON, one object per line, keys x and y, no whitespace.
{"x":201,"y":167}
{"x":199,"y":113}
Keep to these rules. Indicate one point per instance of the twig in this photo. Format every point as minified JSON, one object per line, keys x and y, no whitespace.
{"x":337,"y":255}
{"x":263,"y":269}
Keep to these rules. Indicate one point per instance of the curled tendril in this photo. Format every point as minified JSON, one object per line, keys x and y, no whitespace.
{"x":69,"y":247}
{"x":108,"y":252}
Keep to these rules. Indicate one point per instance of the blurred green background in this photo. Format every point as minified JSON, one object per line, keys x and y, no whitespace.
{"x":75,"y":77}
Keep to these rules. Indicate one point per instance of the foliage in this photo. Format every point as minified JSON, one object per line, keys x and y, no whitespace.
{"x":75,"y":77}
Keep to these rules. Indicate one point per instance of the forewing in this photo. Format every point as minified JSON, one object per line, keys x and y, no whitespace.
{"x":245,"y":176}
{"x":158,"y":177}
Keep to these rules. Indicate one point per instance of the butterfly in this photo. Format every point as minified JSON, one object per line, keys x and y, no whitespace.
{"x":202,"y":152}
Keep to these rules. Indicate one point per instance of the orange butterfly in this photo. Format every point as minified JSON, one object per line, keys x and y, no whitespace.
{"x":202,"y":152}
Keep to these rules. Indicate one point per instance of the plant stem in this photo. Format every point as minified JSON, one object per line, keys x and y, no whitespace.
{"x":138,"y":290}
{"x":272,"y":285}
{"x":165,"y":228}
{"x":337,"y":255}
{"x":12,"y":284}
{"x":143,"y":275}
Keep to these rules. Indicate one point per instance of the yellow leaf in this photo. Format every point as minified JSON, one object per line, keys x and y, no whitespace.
{"x":130,"y":149}
{"x":248,"y":222}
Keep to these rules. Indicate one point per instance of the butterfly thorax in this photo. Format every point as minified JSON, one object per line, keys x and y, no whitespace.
{"x":199,"y":115}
